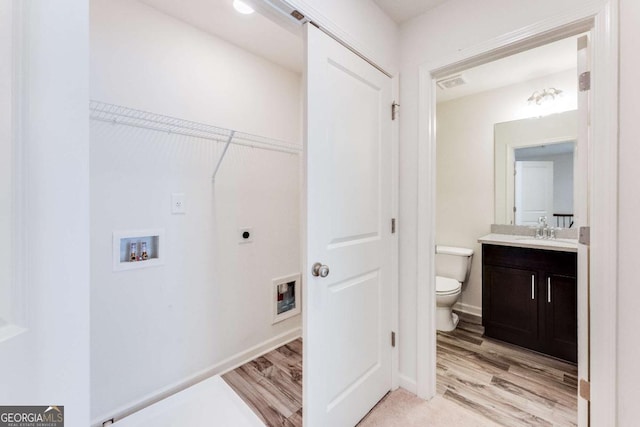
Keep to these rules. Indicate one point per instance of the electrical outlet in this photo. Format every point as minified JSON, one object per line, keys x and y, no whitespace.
{"x":245,"y":234}
{"x":178,"y":203}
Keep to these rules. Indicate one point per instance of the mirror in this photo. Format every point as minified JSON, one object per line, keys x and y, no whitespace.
{"x":534,"y":173}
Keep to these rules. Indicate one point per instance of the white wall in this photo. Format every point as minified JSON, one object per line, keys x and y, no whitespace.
{"x":6,"y":158}
{"x":429,"y":39}
{"x":465,"y":171}
{"x":629,"y":212}
{"x":160,"y":327}
{"x":49,"y":362}
{"x":142,"y":59}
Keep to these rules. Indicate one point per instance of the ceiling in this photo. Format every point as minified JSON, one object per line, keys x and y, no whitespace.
{"x":254,"y":33}
{"x":403,"y":10}
{"x":531,"y":64}
{"x":266,"y":38}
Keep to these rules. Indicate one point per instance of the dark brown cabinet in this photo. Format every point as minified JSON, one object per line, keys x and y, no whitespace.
{"x":529,"y":298}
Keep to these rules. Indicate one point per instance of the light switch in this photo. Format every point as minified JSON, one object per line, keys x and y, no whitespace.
{"x":178,"y":203}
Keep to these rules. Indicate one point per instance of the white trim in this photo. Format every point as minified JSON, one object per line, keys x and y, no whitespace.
{"x":408,"y":384}
{"x":603,"y":218}
{"x":473,"y":310}
{"x":221,"y":368}
{"x":395,"y":191}
{"x":603,"y":202}
{"x":426,"y":224}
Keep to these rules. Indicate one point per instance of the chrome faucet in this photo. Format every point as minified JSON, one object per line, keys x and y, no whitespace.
{"x":542,"y":231}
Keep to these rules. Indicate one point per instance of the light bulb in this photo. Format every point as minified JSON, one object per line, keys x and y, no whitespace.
{"x":242,"y":7}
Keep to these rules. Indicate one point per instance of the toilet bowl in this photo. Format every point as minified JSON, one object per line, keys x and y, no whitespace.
{"x":452,"y":270}
{"x":447,"y":293}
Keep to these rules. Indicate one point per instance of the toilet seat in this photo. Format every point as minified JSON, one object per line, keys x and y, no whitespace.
{"x":447,"y":286}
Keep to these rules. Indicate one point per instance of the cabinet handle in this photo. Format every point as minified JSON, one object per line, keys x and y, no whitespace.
{"x":548,"y":289}
{"x":533,"y":286}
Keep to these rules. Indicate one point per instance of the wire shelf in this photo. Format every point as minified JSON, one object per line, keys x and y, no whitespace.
{"x":119,"y":115}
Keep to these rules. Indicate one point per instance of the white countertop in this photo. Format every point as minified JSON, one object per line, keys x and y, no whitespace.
{"x":563,"y":245}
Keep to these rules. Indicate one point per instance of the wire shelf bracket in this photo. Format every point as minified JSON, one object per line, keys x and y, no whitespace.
{"x":224,"y":151}
{"x":120,"y":115}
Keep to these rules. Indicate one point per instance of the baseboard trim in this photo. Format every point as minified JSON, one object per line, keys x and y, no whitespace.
{"x":468,"y":309}
{"x":218,"y":369}
{"x":408,"y":384}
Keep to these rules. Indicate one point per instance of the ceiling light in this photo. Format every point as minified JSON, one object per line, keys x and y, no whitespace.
{"x":242,"y":7}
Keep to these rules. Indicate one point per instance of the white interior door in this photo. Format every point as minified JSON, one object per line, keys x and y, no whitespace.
{"x":534,"y":191}
{"x":347,"y":314}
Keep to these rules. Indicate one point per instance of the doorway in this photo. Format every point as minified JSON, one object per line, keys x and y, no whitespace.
{"x":598,"y":21}
{"x":494,"y":138}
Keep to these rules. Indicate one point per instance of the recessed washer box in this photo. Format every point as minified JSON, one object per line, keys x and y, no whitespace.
{"x":129,"y":242}
{"x":286,"y":297}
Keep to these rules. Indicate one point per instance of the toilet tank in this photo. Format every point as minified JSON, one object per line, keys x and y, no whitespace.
{"x":453,"y":262}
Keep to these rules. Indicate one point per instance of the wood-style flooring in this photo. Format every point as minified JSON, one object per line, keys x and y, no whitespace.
{"x":506,"y":384}
{"x":272,"y":385}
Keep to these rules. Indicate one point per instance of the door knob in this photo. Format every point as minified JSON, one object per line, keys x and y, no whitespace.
{"x":318,"y":269}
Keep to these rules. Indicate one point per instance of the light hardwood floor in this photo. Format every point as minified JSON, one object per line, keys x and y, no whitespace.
{"x":272,"y":385}
{"x":507,"y":384}
{"x":497,"y":382}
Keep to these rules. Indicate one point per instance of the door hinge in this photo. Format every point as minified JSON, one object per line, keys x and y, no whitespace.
{"x":393,"y":225}
{"x":585,"y":390}
{"x":393,"y":339}
{"x":584,"y":81}
{"x":394,"y":110}
{"x":584,"y":236}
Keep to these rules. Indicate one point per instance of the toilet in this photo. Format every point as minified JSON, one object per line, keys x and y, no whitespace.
{"x":452,"y":271}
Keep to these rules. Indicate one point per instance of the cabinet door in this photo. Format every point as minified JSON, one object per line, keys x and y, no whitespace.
{"x":561,"y":317}
{"x":510,"y":299}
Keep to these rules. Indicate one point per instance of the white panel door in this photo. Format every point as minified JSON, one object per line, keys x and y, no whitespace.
{"x":347,"y":314}
{"x":534,"y":191}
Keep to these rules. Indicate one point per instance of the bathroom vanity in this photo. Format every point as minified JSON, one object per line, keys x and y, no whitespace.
{"x":529,"y":293}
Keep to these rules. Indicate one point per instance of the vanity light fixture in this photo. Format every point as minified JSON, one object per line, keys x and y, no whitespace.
{"x":539,"y":97}
{"x":242,"y":7}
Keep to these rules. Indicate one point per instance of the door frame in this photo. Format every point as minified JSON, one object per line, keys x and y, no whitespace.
{"x":601,"y":19}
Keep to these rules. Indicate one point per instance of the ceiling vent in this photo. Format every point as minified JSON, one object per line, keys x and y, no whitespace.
{"x":451,"y":82}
